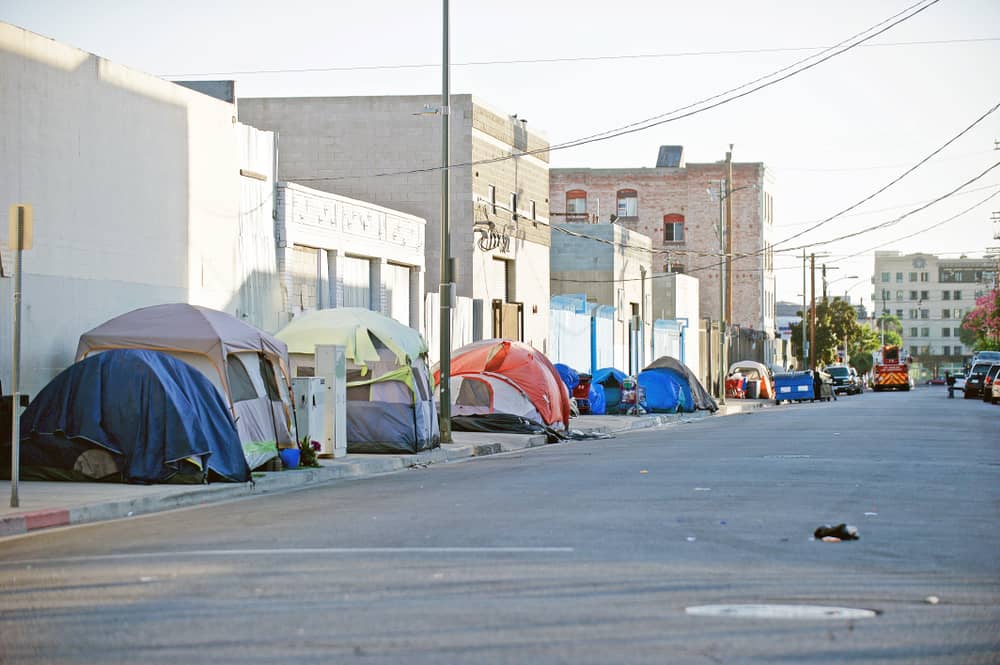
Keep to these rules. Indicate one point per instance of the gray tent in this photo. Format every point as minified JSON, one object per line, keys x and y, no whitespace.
{"x":703,"y":400}
{"x":247,"y":365}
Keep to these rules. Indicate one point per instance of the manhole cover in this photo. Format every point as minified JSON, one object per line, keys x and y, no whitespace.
{"x":779,"y":612}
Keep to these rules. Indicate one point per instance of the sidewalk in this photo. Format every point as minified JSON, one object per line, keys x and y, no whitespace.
{"x":51,"y":504}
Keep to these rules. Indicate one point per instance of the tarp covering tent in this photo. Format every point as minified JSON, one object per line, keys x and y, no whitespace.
{"x":611,"y":380}
{"x":506,"y":376}
{"x":133,"y":416}
{"x":390,"y":403}
{"x":247,"y":365}
{"x":568,"y":375}
{"x":754,"y":371}
{"x":670,"y":386}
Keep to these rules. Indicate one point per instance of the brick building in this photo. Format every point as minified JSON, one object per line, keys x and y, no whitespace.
{"x":678,"y":205}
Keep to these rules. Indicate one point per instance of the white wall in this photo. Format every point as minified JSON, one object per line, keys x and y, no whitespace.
{"x":135,"y":187}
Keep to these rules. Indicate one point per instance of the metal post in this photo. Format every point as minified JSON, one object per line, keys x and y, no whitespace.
{"x":729,"y":234}
{"x":15,"y":405}
{"x":445,"y":287}
{"x":812,"y":312}
{"x":804,"y":310}
{"x":722,"y":298}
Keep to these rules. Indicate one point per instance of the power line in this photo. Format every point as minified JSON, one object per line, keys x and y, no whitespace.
{"x":662,"y":118}
{"x":892,"y":182}
{"x":538,"y":61}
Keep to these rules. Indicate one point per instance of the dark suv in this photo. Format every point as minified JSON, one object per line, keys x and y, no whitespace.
{"x":974,"y":380}
{"x":844,"y":381}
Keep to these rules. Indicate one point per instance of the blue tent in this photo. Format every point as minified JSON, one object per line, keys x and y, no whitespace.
{"x":670,"y":387}
{"x":568,"y":375}
{"x":597,"y":399}
{"x":131,"y":415}
{"x":611,"y":380}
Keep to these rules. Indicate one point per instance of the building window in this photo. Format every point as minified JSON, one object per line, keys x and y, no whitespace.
{"x":899,"y":295}
{"x":673,"y":228}
{"x":925,"y":332}
{"x":513,"y":205}
{"x":956,"y":332}
{"x":576,"y":202}
{"x":946,"y":332}
{"x":925,"y":314}
{"x":534,"y":211}
{"x":491,"y":194}
{"x":899,"y":277}
{"x":885,"y":277}
{"x":925,"y":295}
{"x":914,"y":314}
{"x":925,"y":277}
{"x":913,"y":332}
{"x":913,"y":295}
{"x":946,"y":295}
{"x":913,"y":276}
{"x":945,"y":313}
{"x":957,"y":295}
{"x":628,"y":203}
{"x":899,"y":313}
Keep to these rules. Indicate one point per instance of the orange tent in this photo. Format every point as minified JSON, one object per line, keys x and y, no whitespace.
{"x":495,"y":365}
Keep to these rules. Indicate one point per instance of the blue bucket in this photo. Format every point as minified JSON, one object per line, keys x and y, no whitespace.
{"x":289,"y":457}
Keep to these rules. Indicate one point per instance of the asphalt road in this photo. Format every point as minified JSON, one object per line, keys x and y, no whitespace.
{"x":589,"y":552}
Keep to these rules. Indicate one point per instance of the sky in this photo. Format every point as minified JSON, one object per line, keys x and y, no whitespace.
{"x":832,"y":135}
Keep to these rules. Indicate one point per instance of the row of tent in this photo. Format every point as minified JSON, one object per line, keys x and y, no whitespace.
{"x":666,"y":386}
{"x":181,"y":393}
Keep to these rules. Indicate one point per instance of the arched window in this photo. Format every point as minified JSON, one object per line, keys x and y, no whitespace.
{"x":673,"y":228}
{"x":628,"y":203}
{"x":576,"y":202}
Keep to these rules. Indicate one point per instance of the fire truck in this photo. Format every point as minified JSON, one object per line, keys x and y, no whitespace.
{"x":892,"y":370}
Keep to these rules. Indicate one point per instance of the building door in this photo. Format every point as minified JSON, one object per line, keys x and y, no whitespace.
{"x":508,"y":320}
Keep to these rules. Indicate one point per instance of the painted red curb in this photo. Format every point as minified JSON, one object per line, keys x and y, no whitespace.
{"x":46,"y":518}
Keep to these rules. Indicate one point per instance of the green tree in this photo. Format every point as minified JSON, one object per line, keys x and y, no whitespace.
{"x":836,"y":321}
{"x":860,"y":346}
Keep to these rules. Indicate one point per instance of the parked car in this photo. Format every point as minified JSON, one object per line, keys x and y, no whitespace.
{"x":960,"y":382}
{"x":974,"y":379}
{"x":858,"y":381}
{"x":936,"y":381}
{"x":989,"y":381}
{"x":995,"y":390}
{"x":844,"y":383}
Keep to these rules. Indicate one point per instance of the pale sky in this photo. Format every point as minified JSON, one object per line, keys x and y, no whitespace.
{"x":833,"y":134}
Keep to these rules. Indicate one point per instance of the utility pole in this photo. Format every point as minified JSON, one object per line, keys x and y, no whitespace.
{"x":729,"y":234}
{"x":812,"y":312}
{"x":722,"y":304}
{"x":446,"y":289}
{"x":805,"y":359}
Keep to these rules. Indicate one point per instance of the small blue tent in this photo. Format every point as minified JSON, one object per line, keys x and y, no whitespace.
{"x":671,"y":387}
{"x":611,"y":380}
{"x":568,"y":375}
{"x":131,"y":415}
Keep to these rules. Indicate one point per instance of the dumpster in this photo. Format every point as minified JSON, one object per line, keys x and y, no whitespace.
{"x":793,"y":387}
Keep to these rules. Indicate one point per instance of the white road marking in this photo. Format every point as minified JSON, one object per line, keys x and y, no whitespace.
{"x":779,"y":612}
{"x":296,"y":550}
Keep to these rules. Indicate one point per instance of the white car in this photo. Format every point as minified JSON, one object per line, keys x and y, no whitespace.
{"x":959,"y":382}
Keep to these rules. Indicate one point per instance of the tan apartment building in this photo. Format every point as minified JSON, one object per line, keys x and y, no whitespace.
{"x":679,"y":206}
{"x":386,"y":150}
{"x":930,"y":295}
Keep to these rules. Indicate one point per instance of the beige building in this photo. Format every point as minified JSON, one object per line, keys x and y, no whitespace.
{"x":387,"y":151}
{"x":930,"y":295}
{"x":679,"y":206}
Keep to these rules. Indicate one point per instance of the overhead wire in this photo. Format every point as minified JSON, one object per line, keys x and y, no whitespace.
{"x":661,"y":119}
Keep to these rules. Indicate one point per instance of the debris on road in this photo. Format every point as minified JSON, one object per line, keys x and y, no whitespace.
{"x":839,"y":532}
{"x":932,"y":600}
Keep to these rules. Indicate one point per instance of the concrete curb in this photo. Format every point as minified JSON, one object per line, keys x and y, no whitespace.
{"x":355,"y":466}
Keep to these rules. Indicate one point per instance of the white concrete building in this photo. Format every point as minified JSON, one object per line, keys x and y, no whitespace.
{"x":338,"y":252}
{"x":930,"y":295}
{"x":136,"y":185}
{"x":386,"y":151}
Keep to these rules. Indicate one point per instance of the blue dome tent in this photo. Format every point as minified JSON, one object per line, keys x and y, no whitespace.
{"x":671,"y":387}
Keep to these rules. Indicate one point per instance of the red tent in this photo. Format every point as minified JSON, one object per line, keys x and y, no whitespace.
{"x":526,"y":368}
